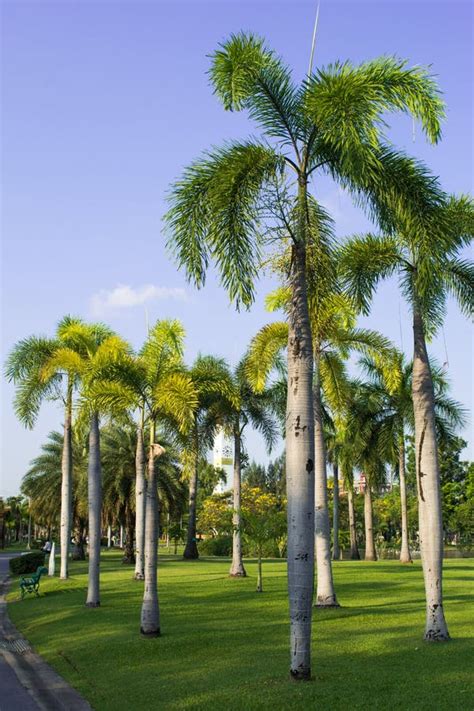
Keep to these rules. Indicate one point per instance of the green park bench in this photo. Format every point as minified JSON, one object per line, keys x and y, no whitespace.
{"x":31,"y":584}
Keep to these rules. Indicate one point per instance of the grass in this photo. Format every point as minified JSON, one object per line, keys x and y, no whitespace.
{"x":226,"y":647}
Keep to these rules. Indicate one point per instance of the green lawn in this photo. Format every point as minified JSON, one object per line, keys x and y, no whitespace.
{"x":226,"y":647}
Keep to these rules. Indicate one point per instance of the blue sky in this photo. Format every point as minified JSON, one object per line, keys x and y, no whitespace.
{"x":104,"y":103}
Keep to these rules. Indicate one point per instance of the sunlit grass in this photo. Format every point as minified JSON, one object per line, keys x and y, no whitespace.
{"x":225,"y":647}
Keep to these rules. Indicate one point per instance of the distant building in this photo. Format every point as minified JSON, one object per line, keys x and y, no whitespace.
{"x":223,"y":458}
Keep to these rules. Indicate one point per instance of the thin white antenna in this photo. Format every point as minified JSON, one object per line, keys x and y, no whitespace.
{"x":313,"y":42}
{"x":147,"y":323}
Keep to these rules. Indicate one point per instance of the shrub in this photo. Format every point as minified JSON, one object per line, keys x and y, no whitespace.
{"x":27,"y":563}
{"x":220,"y":546}
{"x":37,"y":545}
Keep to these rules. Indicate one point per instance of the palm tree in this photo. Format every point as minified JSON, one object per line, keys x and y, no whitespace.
{"x":212,"y":385}
{"x":98,"y":349}
{"x":333,"y":450}
{"x":42,"y":483}
{"x":156,"y":381}
{"x":395,"y":417}
{"x":118,"y":458}
{"x":334,"y":336}
{"x":344,"y":451}
{"x":224,"y":201}
{"x":246,"y":407}
{"x":424,"y":253}
{"x":118,"y":447}
{"x":44,"y":368}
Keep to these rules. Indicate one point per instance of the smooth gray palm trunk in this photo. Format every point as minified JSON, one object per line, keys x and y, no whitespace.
{"x":191,"y":550}
{"x":128,"y":551}
{"x":336,"y":551}
{"x":325,"y":593}
{"x":352,"y":524}
{"x":150,"y":613}
{"x":428,"y":485}
{"x":66,"y":486}
{"x":95,"y":510}
{"x":370,"y":552}
{"x":259,"y":572}
{"x":405,"y":555}
{"x":237,"y":569}
{"x":300,"y":471}
{"x":140,"y":504}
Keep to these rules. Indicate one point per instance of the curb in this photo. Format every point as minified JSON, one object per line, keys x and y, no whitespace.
{"x":49,"y":690}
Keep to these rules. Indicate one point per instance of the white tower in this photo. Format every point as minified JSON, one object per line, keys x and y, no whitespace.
{"x":223,"y":453}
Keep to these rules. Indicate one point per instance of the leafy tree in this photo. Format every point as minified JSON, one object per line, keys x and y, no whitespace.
{"x":264,"y":519}
{"x":237,"y":199}
{"x":118,"y":463}
{"x":211,"y":383}
{"x":97,"y":349}
{"x":155,"y":381}
{"x":423,"y":250}
{"x":335,"y":335}
{"x":245,"y":407}
{"x":43,"y":481}
{"x":395,"y":418}
{"x":48,"y":368}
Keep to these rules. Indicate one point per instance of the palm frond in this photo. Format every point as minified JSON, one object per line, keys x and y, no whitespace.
{"x":214,"y":214}
{"x":263,"y":353}
{"x":364,"y":261}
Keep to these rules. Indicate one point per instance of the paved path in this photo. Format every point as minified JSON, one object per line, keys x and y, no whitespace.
{"x":27,"y":683}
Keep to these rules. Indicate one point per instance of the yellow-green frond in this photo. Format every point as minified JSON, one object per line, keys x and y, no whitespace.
{"x":263,"y":354}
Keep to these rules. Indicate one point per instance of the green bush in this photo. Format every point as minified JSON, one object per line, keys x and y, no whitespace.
{"x":37,"y":545}
{"x":220,"y":546}
{"x":27,"y":563}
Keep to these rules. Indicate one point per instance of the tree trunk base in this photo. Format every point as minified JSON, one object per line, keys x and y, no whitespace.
{"x":436,"y":636}
{"x":139,"y":576}
{"x":300,"y":675}
{"x":355,"y":555}
{"x":406,"y":561}
{"x":238,"y":572}
{"x":92,"y":604}
{"x":191,"y":552}
{"x":128,"y":560}
{"x":326,"y":603}
{"x":153,"y":633}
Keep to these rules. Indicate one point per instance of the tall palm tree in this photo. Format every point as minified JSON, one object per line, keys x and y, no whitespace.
{"x":42,"y":482}
{"x":156,"y":381}
{"x":334,"y":336}
{"x":395,"y":418}
{"x":118,"y":458}
{"x":424,"y":253}
{"x":246,"y":407}
{"x":97,"y":349}
{"x":44,"y":368}
{"x":220,"y":207}
{"x":93,"y":347}
{"x":365,"y":435}
{"x":118,"y":447}
{"x":333,"y":451}
{"x":212,"y":384}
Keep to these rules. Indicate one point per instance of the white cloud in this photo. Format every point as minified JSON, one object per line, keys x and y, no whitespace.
{"x":125,"y":297}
